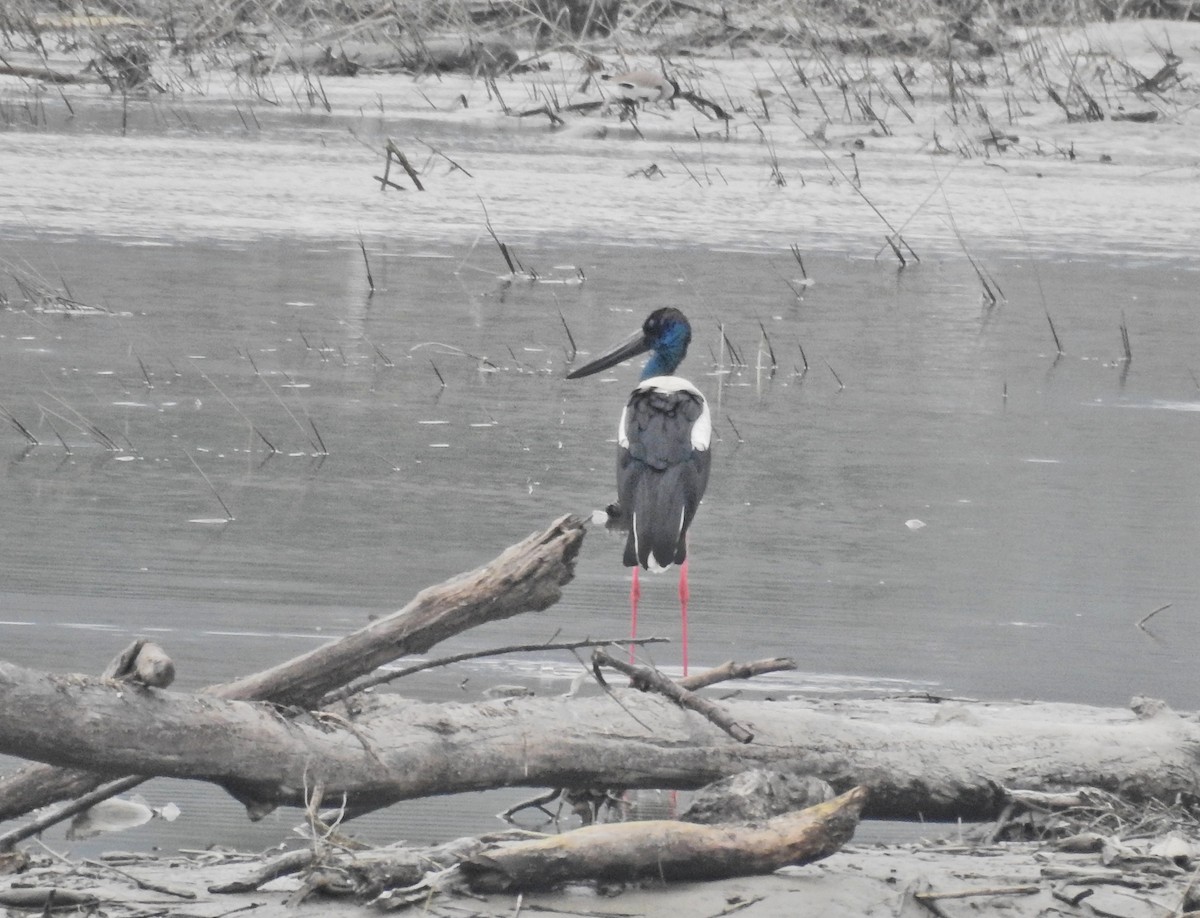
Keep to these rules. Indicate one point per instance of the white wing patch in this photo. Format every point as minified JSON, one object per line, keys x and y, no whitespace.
{"x":634,"y":530}
{"x":702,"y":430}
{"x":622,"y":437}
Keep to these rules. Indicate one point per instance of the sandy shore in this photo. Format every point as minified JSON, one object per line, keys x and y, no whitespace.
{"x":957,"y":879}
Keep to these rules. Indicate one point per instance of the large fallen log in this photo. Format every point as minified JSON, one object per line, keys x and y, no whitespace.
{"x":528,"y":576}
{"x":920,"y":759}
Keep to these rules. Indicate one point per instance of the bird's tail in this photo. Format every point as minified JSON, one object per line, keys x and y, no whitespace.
{"x":657,"y":523}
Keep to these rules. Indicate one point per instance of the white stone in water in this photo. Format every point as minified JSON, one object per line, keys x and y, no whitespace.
{"x":914,"y":524}
{"x":169,"y":813}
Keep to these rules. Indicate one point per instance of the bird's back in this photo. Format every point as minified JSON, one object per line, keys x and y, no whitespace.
{"x":662,"y":468}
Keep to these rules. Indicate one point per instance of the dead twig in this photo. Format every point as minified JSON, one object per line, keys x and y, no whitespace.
{"x":555,"y":121}
{"x":140,"y":883}
{"x":394,"y":152}
{"x":1029,"y":890}
{"x":285,"y":864}
{"x":382,"y":678}
{"x":453,"y":164}
{"x":646,"y":677}
{"x":733,"y":670}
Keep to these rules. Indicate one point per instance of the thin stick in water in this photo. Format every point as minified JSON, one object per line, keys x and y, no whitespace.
{"x":1145,"y":618}
{"x":395,"y":152}
{"x":770,"y":350}
{"x":65,"y":446}
{"x":262,"y":379}
{"x":453,"y":164}
{"x":228,"y":515}
{"x":241,"y":414}
{"x":487,"y":222}
{"x":320,"y":442}
{"x":145,"y":375}
{"x":367,"y":265}
{"x":33,"y":441}
{"x":894,"y":239}
{"x":109,"y":443}
{"x":691,"y":174}
{"x":570,"y":337}
{"x":841,"y":385}
{"x":1057,"y":343}
{"x":734,"y":357}
{"x":736,"y":433}
{"x":387,"y":361}
{"x":799,"y":260}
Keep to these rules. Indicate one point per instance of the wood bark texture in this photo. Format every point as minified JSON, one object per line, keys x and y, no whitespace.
{"x":669,"y":850}
{"x":919,"y":759}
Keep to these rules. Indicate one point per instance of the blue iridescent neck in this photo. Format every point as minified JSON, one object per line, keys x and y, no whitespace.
{"x":671,"y":340}
{"x":664,"y":362}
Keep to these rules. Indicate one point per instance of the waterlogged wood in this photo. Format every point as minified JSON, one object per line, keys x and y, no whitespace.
{"x":920,"y":759}
{"x":47,"y":898}
{"x":46,"y":74}
{"x":451,"y":53}
{"x":669,"y":850}
{"x":528,"y":576}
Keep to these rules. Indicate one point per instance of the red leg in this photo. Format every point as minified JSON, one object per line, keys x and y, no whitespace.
{"x":684,"y":594}
{"x":635,"y":593}
{"x":683,"y":604}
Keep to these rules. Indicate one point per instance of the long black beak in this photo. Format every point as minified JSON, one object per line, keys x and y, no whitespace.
{"x":623,"y":351}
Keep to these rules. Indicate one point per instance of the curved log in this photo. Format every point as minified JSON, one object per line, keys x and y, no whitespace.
{"x":668,"y":850}
{"x":528,"y":576}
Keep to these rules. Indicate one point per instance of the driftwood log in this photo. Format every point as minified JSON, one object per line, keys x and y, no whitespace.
{"x":654,"y":850}
{"x":487,"y":56}
{"x":46,"y":74}
{"x":526,"y":577}
{"x":669,"y":850}
{"x":920,"y":759}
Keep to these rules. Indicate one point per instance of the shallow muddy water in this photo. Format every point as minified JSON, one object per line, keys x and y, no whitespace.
{"x":938,"y":503}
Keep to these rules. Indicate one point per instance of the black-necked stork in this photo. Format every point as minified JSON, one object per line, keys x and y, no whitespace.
{"x":662,"y":454}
